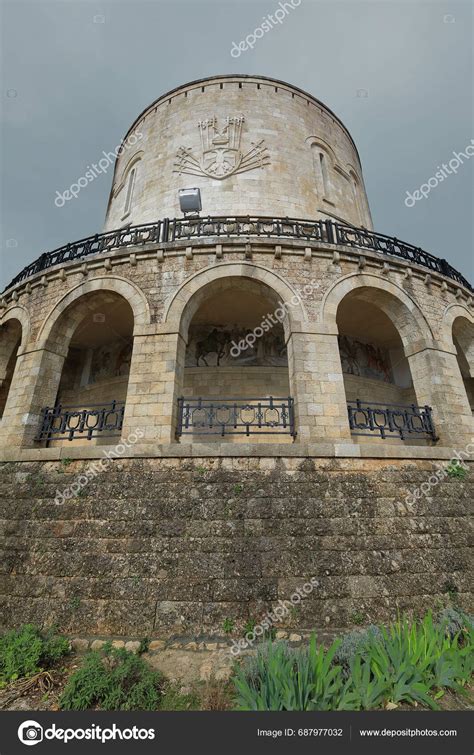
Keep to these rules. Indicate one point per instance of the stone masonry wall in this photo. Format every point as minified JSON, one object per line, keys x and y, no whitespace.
{"x":153,"y":547}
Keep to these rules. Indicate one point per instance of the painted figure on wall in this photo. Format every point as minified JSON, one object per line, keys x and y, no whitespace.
{"x":364,"y":359}
{"x":212,"y":346}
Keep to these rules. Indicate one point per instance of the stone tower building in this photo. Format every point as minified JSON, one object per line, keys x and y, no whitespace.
{"x":202,"y":410}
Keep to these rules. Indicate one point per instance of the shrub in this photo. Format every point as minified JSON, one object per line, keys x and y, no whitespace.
{"x":354,"y":643}
{"x":113,"y":679}
{"x":29,"y":650}
{"x":455,"y":621}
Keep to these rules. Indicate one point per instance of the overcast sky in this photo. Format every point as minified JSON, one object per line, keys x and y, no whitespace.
{"x":76,"y":75}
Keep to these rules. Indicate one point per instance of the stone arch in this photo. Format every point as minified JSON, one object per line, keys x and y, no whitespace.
{"x":457,"y":333}
{"x":133,"y":162}
{"x":324,"y":165}
{"x":401,"y":308}
{"x":14,"y":335}
{"x":316,"y":141}
{"x":452,"y":313}
{"x":185,"y":301}
{"x":17,"y":312}
{"x":219,"y":292}
{"x":125,"y":288}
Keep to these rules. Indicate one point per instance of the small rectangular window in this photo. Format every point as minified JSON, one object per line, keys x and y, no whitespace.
{"x":128,"y":199}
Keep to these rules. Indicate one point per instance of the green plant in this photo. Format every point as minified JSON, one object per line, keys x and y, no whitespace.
{"x":455,"y":621}
{"x":66,"y":462}
{"x":113,"y":679}
{"x":250,"y":625}
{"x":29,"y":650}
{"x":354,"y":643}
{"x":283,"y":679}
{"x":144,"y":645}
{"x":408,"y":662}
{"x":363,"y":691}
{"x":74,"y":603}
{"x":455,"y":470}
{"x":238,"y":488}
{"x":358,"y":618}
{"x":228,"y":626}
{"x":451,"y":590}
{"x":174,"y":699}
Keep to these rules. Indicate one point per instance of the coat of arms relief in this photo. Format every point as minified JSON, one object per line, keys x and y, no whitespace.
{"x":221,"y":154}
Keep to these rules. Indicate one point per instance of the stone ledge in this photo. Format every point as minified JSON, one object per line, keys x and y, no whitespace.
{"x":262,"y":450}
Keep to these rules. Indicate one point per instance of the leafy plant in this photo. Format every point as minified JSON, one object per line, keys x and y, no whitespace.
{"x":451,"y":589}
{"x":455,"y":470}
{"x":358,"y":618}
{"x":284,"y":679}
{"x":228,"y":626}
{"x":29,"y":650}
{"x":455,"y":621}
{"x":113,"y":679}
{"x":354,"y":643}
{"x":363,"y":690}
{"x":144,"y":645}
{"x":250,"y":625}
{"x":408,"y":662}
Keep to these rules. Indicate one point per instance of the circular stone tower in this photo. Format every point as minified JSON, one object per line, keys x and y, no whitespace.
{"x":203,"y":414}
{"x":252,"y":145}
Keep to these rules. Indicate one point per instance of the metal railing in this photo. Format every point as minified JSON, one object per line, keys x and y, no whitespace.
{"x":236,"y":416}
{"x":391,"y":421}
{"x":240,"y":416}
{"x":167,"y":231}
{"x":73,"y":422}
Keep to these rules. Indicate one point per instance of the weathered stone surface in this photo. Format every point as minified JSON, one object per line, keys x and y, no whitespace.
{"x":159,"y":557}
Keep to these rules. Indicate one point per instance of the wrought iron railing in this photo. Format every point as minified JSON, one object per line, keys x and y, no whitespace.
{"x":240,"y":416}
{"x":391,"y":421}
{"x":72,"y":422}
{"x":167,"y":231}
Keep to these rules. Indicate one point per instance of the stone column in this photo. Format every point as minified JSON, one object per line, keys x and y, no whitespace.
{"x":34,"y":385}
{"x":317,"y":385}
{"x":156,"y":376}
{"x":438,"y":383}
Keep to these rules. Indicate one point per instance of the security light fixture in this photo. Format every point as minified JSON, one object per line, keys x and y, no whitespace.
{"x":190,"y":201}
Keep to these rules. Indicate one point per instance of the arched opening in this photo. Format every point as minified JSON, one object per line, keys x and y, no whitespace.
{"x":10,"y":339}
{"x":95,"y":333}
{"x":463,"y":339}
{"x":377,"y":376}
{"x":322,"y":172}
{"x":235,"y":380}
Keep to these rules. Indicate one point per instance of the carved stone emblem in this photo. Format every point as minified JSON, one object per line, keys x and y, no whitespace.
{"x":221,"y":154}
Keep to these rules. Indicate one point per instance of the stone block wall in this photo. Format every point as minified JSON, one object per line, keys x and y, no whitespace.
{"x":153,"y":547}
